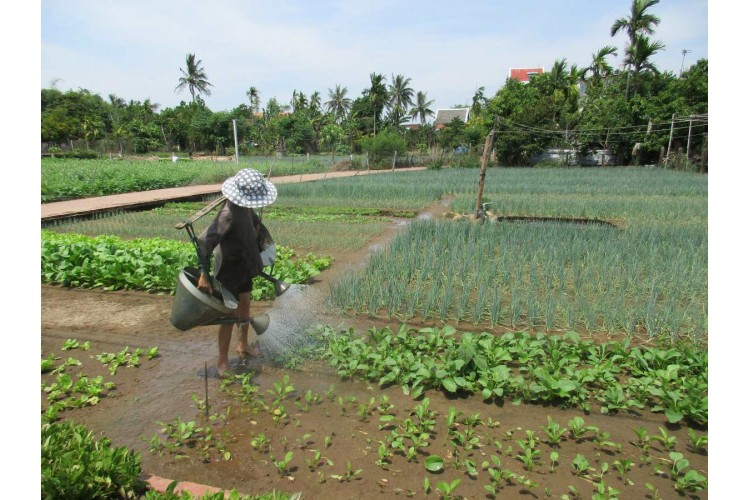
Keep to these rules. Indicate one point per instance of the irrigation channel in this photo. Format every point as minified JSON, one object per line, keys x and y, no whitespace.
{"x":325,"y":414}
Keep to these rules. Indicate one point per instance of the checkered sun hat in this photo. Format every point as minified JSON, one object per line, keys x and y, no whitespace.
{"x":249,"y":189}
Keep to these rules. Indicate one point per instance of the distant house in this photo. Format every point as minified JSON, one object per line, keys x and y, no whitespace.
{"x":524,"y":75}
{"x":445,"y":116}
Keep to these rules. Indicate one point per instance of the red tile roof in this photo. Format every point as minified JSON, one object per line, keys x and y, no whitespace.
{"x":522,"y":74}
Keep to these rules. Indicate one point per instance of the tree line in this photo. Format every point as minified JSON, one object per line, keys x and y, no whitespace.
{"x":628,"y":109}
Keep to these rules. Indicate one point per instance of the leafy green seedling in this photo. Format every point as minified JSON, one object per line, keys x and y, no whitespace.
{"x":555,"y":432}
{"x":70,"y":344}
{"x":604,"y":492}
{"x":260,"y":442}
{"x":152,"y":353}
{"x":690,"y":482}
{"x":553,"y":460}
{"x":678,"y":464}
{"x":283,"y":465}
{"x":669,"y":442}
{"x":697,"y":444}
{"x":578,"y":427}
{"x":48,"y":363}
{"x":623,"y":467}
{"x":447,"y":489}
{"x":580,"y":465}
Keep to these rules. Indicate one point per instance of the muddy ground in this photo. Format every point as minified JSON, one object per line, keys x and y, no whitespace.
{"x":164,"y":389}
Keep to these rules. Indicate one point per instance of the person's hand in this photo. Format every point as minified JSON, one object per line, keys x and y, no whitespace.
{"x":204,"y":284}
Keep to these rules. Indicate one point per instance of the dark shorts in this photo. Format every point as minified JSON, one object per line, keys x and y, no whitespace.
{"x":236,"y":283}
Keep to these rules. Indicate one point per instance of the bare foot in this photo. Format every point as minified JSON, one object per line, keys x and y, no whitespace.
{"x":250,"y":351}
{"x":224,"y":370}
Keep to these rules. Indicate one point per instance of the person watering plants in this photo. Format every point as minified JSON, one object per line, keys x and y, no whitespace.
{"x":233,"y":237}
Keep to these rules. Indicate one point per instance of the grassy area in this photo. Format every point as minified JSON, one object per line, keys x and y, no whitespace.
{"x":650,"y":277}
{"x":65,"y":179}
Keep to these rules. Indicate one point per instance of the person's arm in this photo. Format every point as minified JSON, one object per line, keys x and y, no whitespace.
{"x":207,"y":241}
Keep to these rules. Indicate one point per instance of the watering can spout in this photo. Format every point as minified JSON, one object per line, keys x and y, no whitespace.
{"x":260,"y":323}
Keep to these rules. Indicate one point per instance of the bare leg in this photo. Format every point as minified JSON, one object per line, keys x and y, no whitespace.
{"x":225,"y":336}
{"x":243,"y":309}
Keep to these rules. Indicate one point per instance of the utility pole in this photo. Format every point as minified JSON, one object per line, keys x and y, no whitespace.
{"x":684,"y":51}
{"x":669,"y":145}
{"x":236,"y":148}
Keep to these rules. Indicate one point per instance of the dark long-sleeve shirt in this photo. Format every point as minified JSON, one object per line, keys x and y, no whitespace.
{"x":233,"y":231}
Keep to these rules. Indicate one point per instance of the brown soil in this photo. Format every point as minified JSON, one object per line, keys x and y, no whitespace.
{"x":163,"y":390}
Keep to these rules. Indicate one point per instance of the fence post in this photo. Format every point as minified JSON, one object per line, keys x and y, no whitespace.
{"x":678,"y":159}
{"x":393,"y":163}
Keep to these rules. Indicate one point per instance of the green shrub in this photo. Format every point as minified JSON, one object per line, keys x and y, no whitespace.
{"x":79,"y":154}
{"x":75,"y":465}
{"x":381,"y":147}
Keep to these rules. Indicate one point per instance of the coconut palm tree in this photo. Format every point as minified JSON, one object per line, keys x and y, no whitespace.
{"x":194,"y":78}
{"x":378,"y":97}
{"x":421,"y":108}
{"x":338,"y":104}
{"x":315,"y":102}
{"x":399,"y":92}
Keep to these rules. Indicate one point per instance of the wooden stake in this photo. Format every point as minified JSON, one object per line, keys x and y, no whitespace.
{"x":488,"y":143}
{"x":206,"y":379}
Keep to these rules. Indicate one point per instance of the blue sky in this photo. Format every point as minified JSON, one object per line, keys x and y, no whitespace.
{"x":135,"y":49}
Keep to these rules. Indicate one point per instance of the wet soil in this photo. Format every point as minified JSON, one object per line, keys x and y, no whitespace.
{"x":341,"y":421}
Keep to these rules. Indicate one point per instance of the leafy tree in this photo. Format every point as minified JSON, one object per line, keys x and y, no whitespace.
{"x":331,"y":135}
{"x":380,"y":148}
{"x":194,"y":78}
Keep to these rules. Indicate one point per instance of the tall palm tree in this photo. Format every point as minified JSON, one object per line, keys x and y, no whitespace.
{"x":421,"y":108}
{"x":638,"y":23}
{"x":378,"y":96}
{"x":338,"y":104}
{"x":194,"y":78}
{"x":299,"y":101}
{"x":315,"y":102}
{"x":254,"y":97}
{"x":399,"y":93}
{"x":638,"y":56}
{"x":599,"y":67}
